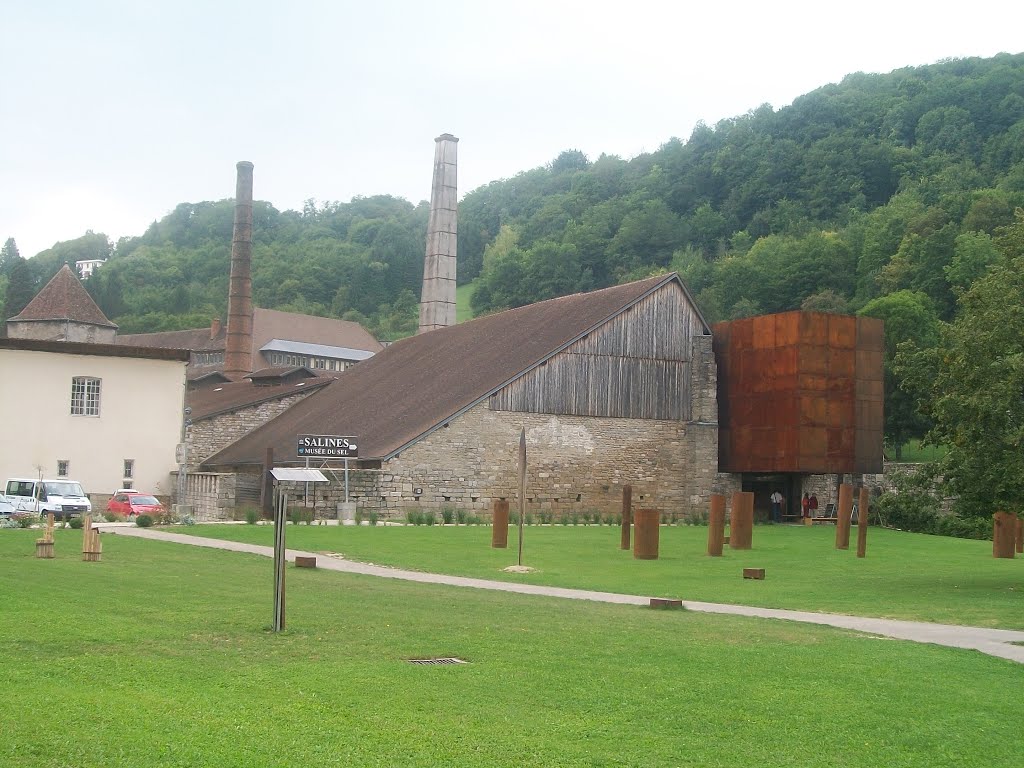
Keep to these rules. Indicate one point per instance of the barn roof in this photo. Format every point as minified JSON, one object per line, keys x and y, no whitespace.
{"x":207,"y":402}
{"x":64,"y":298}
{"x":418,"y":384}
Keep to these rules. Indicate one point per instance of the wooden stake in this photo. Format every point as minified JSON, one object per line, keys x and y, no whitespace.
{"x":716,"y":525}
{"x":862,"y":523}
{"x":627,"y":512}
{"x":844,"y":515}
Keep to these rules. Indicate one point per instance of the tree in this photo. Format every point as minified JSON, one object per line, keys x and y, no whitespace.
{"x":21,"y":288}
{"x":972,"y":387}
{"x":909,"y":318}
{"x":8,"y":255}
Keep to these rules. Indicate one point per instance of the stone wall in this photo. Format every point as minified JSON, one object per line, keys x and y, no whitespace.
{"x":207,"y":436}
{"x":212,"y":495}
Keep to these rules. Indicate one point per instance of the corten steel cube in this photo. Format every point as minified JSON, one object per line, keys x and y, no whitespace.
{"x":648,"y":530}
{"x":800,"y":392}
{"x":741,"y":521}
{"x":716,"y":525}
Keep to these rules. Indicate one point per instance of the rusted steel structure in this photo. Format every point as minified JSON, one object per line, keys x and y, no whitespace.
{"x":800,"y":392}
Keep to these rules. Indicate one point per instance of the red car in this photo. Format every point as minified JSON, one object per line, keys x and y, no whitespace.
{"x":134,"y":503}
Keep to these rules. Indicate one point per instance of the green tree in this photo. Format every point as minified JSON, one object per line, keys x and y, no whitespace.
{"x":910,"y":319}
{"x":8,"y":255}
{"x":21,"y":288}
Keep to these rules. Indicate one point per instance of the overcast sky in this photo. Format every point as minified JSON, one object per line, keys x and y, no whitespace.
{"x":115,"y":111}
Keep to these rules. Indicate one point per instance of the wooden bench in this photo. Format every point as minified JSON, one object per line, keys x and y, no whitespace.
{"x":829,"y":516}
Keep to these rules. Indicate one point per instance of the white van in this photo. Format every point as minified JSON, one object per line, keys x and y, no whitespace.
{"x":62,"y":497}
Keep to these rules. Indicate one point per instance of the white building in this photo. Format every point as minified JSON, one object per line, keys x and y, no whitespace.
{"x":106,"y":415}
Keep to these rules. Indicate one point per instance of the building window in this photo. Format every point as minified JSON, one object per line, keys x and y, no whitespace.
{"x":85,"y":396}
{"x":129,"y":469}
{"x":62,"y":467}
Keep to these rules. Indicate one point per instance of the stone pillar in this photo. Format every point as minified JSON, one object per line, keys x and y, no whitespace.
{"x":648,"y":529}
{"x":499,"y":525}
{"x":716,"y":525}
{"x":741,"y":521}
{"x":862,"y":523}
{"x":437,"y":299}
{"x":1004,"y":534}
{"x":238,"y":340}
{"x":843,"y":516}
{"x":627,"y":512}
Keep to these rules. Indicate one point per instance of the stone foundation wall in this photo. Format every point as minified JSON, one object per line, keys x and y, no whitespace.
{"x":212,"y":495}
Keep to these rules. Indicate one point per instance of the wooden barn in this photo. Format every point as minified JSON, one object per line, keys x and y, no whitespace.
{"x":612,"y":387}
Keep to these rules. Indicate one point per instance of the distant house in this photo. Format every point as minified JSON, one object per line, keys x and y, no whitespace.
{"x":612,"y":387}
{"x":107,"y":415}
{"x":279,"y":340}
{"x":86,"y":267}
{"x":62,"y":311}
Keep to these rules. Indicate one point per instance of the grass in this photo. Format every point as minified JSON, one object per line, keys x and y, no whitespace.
{"x":914,"y":452}
{"x":905,"y":575}
{"x":463,"y":310}
{"x":159,"y":656}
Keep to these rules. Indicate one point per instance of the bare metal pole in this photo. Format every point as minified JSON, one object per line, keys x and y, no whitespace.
{"x":522,"y":488}
{"x":279,"y":558}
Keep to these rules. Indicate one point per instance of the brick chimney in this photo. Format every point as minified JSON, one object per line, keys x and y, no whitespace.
{"x":214,"y":328}
{"x":238,"y":341}
{"x":437,"y":299}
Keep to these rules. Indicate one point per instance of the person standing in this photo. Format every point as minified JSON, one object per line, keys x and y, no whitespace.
{"x":812,"y":505}
{"x":777,"y":499}
{"x":805,"y":506}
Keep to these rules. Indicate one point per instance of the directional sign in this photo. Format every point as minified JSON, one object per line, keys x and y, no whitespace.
{"x":327,"y":446}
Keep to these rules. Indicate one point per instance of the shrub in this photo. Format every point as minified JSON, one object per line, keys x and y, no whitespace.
{"x":111,"y":517}
{"x":359,"y":516}
{"x":76,"y":523}
{"x":447,"y":515}
{"x":374,"y":516}
{"x":564,"y":519}
{"x":187,"y":520}
{"x":428,"y":517}
{"x":461,"y":517}
{"x":412,"y":516}
{"x":251,"y":516}
{"x":143,"y":521}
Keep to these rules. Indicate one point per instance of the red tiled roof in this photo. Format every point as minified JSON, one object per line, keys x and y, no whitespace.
{"x":417,"y":384}
{"x":65,"y":298}
{"x":196,"y":339}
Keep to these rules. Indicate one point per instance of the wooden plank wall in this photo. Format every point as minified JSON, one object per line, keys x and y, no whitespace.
{"x":637,"y":365}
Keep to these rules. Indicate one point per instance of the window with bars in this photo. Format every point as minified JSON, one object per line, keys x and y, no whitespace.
{"x":85,"y":396}
{"x":129,"y":469}
{"x":62,"y":467}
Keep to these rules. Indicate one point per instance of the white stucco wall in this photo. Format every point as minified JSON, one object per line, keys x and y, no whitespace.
{"x":141,"y":404}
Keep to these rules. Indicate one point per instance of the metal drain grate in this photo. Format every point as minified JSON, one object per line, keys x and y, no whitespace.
{"x":450,"y":660}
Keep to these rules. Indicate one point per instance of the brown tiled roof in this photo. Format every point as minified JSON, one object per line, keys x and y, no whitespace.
{"x":64,"y":298}
{"x":204,"y":377}
{"x":417,"y":384}
{"x":283,"y":372}
{"x":196,"y":339}
{"x":208,"y":402}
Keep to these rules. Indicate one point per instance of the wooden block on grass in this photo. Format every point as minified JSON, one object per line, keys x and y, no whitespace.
{"x":665,"y":602}
{"x":753,"y":573}
{"x":302,"y":561}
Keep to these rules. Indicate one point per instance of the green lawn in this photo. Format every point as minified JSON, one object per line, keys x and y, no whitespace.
{"x":905,"y":575}
{"x":463,"y":310}
{"x":159,"y":656}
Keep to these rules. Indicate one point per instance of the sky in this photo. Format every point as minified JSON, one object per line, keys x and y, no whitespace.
{"x":116,"y":111}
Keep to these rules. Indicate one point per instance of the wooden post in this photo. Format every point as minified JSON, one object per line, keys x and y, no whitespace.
{"x":716,"y":525}
{"x":627,"y":511}
{"x":862,"y":523}
{"x":741,"y":521}
{"x":499,"y":524}
{"x":648,"y":528}
{"x":844,"y":515}
{"x":1004,"y":534}
{"x":44,"y":546}
{"x":92,"y":550}
{"x":1020,"y":535}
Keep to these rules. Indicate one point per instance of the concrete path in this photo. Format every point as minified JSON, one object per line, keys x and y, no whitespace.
{"x":995,"y":642}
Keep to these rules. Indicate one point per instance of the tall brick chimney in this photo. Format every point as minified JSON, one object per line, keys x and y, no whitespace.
{"x":238,"y":341}
{"x":437,"y":299}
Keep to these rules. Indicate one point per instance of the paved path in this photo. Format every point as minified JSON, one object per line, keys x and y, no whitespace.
{"x":995,"y":642}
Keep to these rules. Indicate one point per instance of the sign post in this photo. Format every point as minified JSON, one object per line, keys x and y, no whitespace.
{"x":280,"y":518}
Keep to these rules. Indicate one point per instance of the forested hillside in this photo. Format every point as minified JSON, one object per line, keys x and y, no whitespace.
{"x":881,"y":194}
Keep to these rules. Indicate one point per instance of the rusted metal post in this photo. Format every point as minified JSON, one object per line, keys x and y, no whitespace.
{"x":1004,"y":534}
{"x":862,"y":523}
{"x":499,"y":524}
{"x":844,"y":515}
{"x":648,"y":529}
{"x":627,"y":512}
{"x":741,"y":521}
{"x":716,"y":525}
{"x":522,"y":488}
{"x":1020,"y":535}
